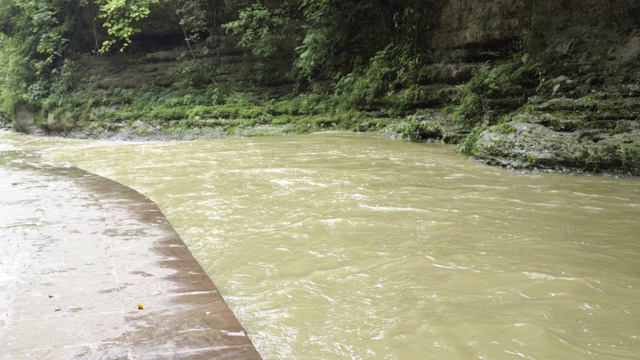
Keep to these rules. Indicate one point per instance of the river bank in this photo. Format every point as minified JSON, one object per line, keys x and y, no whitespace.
{"x":529,"y":140}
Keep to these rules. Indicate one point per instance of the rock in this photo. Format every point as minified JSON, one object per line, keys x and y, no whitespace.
{"x":24,"y":120}
{"x":562,"y":83}
{"x":634,"y":90}
{"x":533,"y":146}
{"x":140,"y":125}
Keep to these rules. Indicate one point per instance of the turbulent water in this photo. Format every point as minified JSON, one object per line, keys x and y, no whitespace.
{"x":337,"y":246}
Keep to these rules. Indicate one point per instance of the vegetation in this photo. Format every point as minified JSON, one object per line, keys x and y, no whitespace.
{"x":343,"y":57}
{"x":513,"y":80}
{"x":191,"y":67}
{"x":119,"y":17}
{"x":35,"y":35}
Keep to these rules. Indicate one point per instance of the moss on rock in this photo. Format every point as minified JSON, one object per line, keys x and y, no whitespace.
{"x":536,"y":147}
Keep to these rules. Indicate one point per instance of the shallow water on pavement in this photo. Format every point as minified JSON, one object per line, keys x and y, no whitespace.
{"x":333,"y":246}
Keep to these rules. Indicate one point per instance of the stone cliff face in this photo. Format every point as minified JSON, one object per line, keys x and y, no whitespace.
{"x":570,"y":36}
{"x":570,"y":28}
{"x":473,"y":26}
{"x":584,"y":99}
{"x":584,"y":114}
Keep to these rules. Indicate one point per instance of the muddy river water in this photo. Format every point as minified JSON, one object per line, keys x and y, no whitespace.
{"x":334,"y":246}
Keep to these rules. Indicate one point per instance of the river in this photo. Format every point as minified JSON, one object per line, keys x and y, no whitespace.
{"x":334,"y":246}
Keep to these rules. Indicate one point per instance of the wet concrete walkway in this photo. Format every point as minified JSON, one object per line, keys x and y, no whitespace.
{"x":79,"y":254}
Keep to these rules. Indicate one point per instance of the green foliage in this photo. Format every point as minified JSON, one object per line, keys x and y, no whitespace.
{"x":468,"y":144}
{"x":303,"y":104}
{"x":342,"y":37}
{"x":120,"y":17}
{"x":326,"y":33}
{"x":513,"y":79}
{"x":469,"y":110}
{"x":389,"y":70}
{"x":194,"y":17}
{"x":505,"y":129}
{"x":622,"y":127}
{"x":166,"y":113}
{"x":241,"y":99}
{"x":280,"y":120}
{"x":367,"y":53}
{"x":43,"y":26}
{"x":417,"y":130}
{"x":265,"y":31}
{"x":36,"y":36}
{"x":357,"y":54}
{"x":188,"y":96}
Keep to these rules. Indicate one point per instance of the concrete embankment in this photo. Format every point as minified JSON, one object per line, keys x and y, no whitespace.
{"x":92,"y":269}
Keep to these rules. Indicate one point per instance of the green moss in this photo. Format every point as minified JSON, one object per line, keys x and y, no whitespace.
{"x":283,"y":107}
{"x":622,"y":127}
{"x":280,"y":120}
{"x":166,"y":113}
{"x":506,"y":129}
{"x":529,"y":159}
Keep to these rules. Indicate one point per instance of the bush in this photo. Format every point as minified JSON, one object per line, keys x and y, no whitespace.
{"x":468,"y":145}
{"x":509,"y":80}
{"x":382,"y":82}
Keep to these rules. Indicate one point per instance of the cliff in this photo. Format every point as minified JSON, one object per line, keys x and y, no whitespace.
{"x":526,"y":84}
{"x":576,"y":109}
